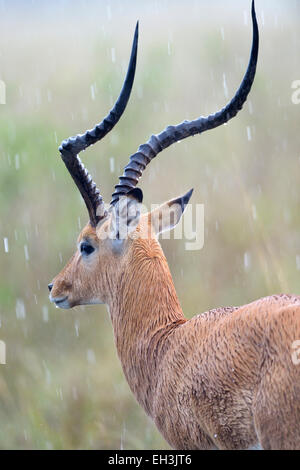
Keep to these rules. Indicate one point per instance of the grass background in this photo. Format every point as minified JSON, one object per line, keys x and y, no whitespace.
{"x":62,"y":386}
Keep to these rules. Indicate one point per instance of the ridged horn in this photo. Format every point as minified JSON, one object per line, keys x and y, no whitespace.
{"x":146,"y":152}
{"x":71,"y":147}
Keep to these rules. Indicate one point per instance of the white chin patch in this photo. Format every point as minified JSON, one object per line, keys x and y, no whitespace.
{"x":60,"y":303}
{"x":63,"y":304}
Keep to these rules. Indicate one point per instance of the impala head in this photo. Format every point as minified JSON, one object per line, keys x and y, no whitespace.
{"x":106,"y":245}
{"x":93,"y":274}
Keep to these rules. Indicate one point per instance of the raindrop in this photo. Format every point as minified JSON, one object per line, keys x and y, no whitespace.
{"x":222,"y":33}
{"x":26,"y":252}
{"x":108,"y":12}
{"x":298,"y":262}
{"x":17,"y":161}
{"x":20,"y":309}
{"x":254,"y":213}
{"x":6,"y":247}
{"x":59,"y":393}
{"x":169,"y":48}
{"x":250,"y":106}
{"x":112,"y":164}
{"x":114,"y":139}
{"x":90,"y":355}
{"x":92,"y":92}
{"x":113,"y":54}
{"x":122,"y":437}
{"x":225,"y":86}
{"x":45,"y":314}
{"x":77,"y":328}
{"x":247,"y":261}
{"x":249,"y":136}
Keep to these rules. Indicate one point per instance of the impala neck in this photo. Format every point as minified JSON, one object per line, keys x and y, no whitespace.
{"x":144,"y":310}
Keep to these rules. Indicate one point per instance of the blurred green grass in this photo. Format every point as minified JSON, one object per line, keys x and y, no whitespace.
{"x":63,"y":386}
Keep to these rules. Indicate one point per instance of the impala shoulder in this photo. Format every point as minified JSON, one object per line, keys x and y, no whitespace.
{"x":215,"y":314}
{"x":285,"y":299}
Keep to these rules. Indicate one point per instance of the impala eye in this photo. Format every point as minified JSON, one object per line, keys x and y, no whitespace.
{"x":86,"y":248}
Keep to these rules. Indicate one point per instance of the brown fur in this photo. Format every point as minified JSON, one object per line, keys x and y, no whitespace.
{"x":224,"y":379}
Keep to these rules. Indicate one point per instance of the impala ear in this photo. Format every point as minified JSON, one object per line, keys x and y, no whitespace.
{"x":167,"y":216}
{"x":126,"y":214}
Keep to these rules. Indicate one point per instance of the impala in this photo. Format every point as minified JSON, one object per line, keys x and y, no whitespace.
{"x":224,"y":379}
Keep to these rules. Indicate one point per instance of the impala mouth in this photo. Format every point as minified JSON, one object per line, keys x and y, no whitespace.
{"x":60,"y":302}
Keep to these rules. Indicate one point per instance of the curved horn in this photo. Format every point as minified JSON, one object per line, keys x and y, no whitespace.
{"x":71,"y":147}
{"x":157,"y":143}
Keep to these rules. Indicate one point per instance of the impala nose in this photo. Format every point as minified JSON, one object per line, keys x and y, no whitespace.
{"x":50,"y":287}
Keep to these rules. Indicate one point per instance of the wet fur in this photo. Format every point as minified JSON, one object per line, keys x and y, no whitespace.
{"x":223,"y":379}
